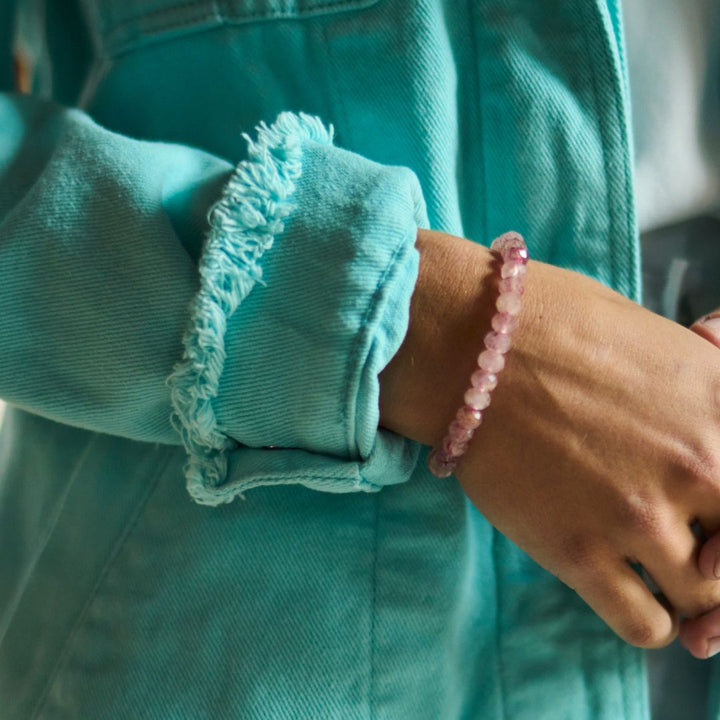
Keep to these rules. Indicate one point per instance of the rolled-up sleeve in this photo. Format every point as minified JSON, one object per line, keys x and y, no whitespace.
{"x":306,"y":279}
{"x":152,"y":291}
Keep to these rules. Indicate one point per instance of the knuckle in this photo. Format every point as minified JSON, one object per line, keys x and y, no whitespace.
{"x":698,"y":464}
{"x":644,"y":516}
{"x":645,"y":634}
{"x":578,"y":555}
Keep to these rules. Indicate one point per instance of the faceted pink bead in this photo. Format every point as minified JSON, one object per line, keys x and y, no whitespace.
{"x":483,"y":380}
{"x":512,"y":269}
{"x":509,"y":303}
{"x":500,"y":342}
{"x":507,"y":241}
{"x":459,"y":432}
{"x":468,"y":416}
{"x":477,"y":398}
{"x":454,"y":448}
{"x":458,"y":450}
{"x":504,"y":323}
{"x":440,"y":464}
{"x":491,"y":361}
{"x":517,"y":254}
{"x":512,"y":284}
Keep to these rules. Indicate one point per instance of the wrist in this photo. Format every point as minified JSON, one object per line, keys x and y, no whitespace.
{"x":450,"y":312}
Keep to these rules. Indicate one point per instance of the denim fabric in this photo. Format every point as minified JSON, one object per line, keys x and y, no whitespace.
{"x":122,"y":598}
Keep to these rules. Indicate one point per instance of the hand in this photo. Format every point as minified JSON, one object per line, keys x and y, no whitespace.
{"x":701,"y":635}
{"x":599,"y":447}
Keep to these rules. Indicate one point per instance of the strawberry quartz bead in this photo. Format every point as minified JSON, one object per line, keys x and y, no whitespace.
{"x":512,"y":269}
{"x":477,"y":398}
{"x":500,"y":342}
{"x":440,"y":464}
{"x":507,"y":241}
{"x":491,"y":361}
{"x":509,"y":303}
{"x":512,"y":284}
{"x":504,"y":323}
{"x":459,"y":432}
{"x":483,"y":380}
{"x":517,"y":255}
{"x":469,"y":417}
{"x":454,"y":448}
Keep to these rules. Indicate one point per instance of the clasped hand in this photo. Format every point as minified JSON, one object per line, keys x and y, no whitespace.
{"x":615,"y":445}
{"x":601,"y":449}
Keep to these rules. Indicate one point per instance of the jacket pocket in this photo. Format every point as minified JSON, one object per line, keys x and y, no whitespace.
{"x":124,"y":25}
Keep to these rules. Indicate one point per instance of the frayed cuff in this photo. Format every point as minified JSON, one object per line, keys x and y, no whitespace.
{"x":243,"y":225}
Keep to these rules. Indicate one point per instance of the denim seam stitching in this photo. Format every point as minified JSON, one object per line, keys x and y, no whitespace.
{"x":595,"y":21}
{"x":187,"y":15}
{"x":298,"y":478}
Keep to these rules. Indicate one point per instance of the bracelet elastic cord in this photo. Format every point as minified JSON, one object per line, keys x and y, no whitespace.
{"x":512,"y":250}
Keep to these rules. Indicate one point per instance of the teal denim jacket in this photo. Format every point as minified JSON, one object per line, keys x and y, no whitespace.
{"x":207,"y":218}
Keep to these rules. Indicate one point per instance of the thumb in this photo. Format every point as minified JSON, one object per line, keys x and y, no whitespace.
{"x":708,"y":327}
{"x":701,"y":635}
{"x":709,"y":558}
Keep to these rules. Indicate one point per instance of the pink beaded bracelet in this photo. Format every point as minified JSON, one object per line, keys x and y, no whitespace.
{"x":511,"y":247}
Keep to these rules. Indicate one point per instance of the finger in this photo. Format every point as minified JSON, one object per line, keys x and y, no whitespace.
{"x":709,"y":558}
{"x":708,"y":327}
{"x":620,"y":597}
{"x":701,"y":635}
{"x":670,"y":556}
